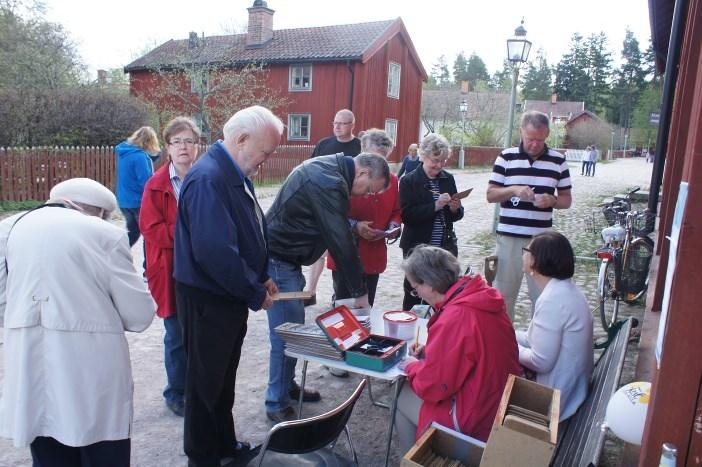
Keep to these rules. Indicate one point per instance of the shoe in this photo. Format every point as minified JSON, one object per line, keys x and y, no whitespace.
{"x":337,"y":372}
{"x":286,"y":415}
{"x":310,"y":301}
{"x":243,"y":453}
{"x":177,"y":407}
{"x":309,"y":395}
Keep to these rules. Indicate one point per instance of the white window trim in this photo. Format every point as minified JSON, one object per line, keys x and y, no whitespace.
{"x":392,"y":134}
{"x":290,"y":126}
{"x":398,"y":67}
{"x":291,"y":86}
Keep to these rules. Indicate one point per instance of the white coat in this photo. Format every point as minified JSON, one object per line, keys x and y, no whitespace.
{"x":70,"y":293}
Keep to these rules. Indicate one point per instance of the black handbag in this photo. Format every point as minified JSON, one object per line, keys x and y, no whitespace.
{"x":449,"y":242}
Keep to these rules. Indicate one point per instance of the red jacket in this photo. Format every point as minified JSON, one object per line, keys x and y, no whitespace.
{"x":470,"y":351}
{"x":157,"y":219}
{"x":381,"y":209}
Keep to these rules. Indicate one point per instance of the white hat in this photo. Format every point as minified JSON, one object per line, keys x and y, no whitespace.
{"x":86,"y":191}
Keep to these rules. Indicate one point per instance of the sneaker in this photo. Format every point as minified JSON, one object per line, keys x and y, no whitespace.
{"x":310,"y":395}
{"x":337,"y":372}
{"x":286,"y":415}
{"x":242,"y":455}
{"x":177,"y":407}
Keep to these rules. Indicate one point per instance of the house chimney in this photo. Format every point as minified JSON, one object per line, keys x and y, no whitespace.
{"x":260,"y":28}
{"x":192,"y":40}
{"x":102,"y":77}
{"x":554,"y":98}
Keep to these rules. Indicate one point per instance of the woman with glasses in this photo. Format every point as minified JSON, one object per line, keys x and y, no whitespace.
{"x":557,"y":346}
{"x":428,"y":209}
{"x":457,"y":379}
{"x":157,"y":222}
{"x":134,"y":168}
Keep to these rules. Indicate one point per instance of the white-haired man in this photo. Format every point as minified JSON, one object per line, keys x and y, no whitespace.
{"x":221,"y":272}
{"x":69,"y":291}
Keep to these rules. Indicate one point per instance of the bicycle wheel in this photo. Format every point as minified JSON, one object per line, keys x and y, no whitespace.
{"x":635,"y":269}
{"x":609,"y":302}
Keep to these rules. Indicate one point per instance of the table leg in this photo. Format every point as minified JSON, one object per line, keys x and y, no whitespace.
{"x":373,"y":401}
{"x":302,"y":389}
{"x":393,"y":408}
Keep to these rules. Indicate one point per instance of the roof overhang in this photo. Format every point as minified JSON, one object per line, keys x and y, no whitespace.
{"x":661,"y":18}
{"x":397,"y":27}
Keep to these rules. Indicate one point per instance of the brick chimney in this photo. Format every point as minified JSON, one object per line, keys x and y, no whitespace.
{"x":260,"y":28}
{"x":193,"y":41}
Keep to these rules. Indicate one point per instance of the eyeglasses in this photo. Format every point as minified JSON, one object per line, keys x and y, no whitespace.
{"x":414,"y":293}
{"x":182,"y":142}
{"x":525,"y":249}
{"x":342,"y":123}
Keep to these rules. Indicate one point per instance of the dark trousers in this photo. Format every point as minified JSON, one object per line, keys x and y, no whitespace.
{"x":341,"y":291}
{"x":47,"y":452}
{"x":213,"y":332}
{"x":409,"y":300}
{"x":131,"y":217}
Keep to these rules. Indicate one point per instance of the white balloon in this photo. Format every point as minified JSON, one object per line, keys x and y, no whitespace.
{"x":626,"y":411}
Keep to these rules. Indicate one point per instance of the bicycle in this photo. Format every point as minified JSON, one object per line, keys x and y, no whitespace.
{"x":625,"y":256}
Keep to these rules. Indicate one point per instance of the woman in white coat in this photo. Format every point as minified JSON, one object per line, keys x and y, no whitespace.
{"x":557,"y":346}
{"x":70,"y":291}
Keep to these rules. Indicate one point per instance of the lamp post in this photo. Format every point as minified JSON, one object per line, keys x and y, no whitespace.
{"x":463,"y":108}
{"x":626,"y":137}
{"x":611,"y":147}
{"x":518,"y":48}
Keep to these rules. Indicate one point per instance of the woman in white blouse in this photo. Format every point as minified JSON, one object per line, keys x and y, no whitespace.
{"x":557,"y":346}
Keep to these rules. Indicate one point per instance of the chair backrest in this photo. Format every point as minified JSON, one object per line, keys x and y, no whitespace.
{"x":310,"y":434}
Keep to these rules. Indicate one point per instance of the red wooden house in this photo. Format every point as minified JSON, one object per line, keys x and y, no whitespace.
{"x":370,"y":68}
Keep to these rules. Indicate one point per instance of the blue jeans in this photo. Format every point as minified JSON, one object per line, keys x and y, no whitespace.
{"x":174,"y":360}
{"x":131,"y":217}
{"x":281,"y":369}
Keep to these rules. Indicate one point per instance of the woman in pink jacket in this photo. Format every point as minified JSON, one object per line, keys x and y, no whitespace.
{"x":457,"y":380}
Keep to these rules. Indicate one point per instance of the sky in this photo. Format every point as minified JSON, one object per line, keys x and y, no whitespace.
{"x":112,"y":34}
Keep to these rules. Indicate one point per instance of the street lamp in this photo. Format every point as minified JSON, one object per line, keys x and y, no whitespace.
{"x":626,"y":137}
{"x":463,"y":108}
{"x":517,"y":53}
{"x":611,"y":147}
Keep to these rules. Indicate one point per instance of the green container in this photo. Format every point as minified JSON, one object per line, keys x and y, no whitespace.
{"x":361,"y":349}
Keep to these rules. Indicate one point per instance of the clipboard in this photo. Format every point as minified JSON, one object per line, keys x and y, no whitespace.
{"x":462,"y":194}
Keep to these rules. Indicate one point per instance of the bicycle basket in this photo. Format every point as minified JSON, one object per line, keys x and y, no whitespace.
{"x":635,"y":272}
{"x":644,"y":223}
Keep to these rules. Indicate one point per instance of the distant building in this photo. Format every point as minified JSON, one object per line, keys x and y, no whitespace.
{"x":371,"y":68}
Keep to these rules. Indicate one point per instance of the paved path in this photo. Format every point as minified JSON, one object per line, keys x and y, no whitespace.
{"x":157,"y":434}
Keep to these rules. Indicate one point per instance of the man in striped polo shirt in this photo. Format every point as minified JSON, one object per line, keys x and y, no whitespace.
{"x":529,"y":182}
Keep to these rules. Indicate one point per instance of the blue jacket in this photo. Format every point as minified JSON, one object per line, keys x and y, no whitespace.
{"x":134,"y":168}
{"x":219,"y":244}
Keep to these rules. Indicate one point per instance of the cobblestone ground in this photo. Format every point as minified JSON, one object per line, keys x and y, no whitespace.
{"x":157,"y":434}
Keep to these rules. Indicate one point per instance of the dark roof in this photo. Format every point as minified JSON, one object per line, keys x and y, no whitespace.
{"x":559,"y":109}
{"x":326,"y":43}
{"x":581,"y":114}
{"x":661,"y":17}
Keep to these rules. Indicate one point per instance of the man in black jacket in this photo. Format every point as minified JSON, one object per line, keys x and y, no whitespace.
{"x":309,"y":216}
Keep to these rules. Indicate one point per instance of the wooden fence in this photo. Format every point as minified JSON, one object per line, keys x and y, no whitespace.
{"x":30,"y":173}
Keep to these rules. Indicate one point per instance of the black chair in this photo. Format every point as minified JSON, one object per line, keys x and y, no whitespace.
{"x":310,"y":441}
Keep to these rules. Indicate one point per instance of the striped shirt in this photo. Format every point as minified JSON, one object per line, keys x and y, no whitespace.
{"x":437,"y":230}
{"x":547,"y":174}
{"x":176,"y":181}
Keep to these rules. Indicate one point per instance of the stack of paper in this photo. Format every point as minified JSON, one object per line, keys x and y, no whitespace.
{"x":308,"y":339}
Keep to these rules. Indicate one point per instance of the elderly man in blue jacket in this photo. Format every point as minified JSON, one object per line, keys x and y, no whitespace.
{"x":220,"y":268}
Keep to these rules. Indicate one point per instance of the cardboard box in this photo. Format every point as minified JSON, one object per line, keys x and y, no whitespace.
{"x":446,"y":443}
{"x":526,"y":426}
{"x":361,"y":349}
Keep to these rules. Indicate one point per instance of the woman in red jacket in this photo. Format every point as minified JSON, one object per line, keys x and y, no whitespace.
{"x":457,"y":380}
{"x":157,"y":221}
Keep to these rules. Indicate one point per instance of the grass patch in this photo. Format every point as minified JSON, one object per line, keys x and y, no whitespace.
{"x":11,"y":206}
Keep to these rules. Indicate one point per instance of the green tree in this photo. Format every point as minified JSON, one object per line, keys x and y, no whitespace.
{"x":572,"y":81}
{"x":648,"y":103}
{"x":537,"y":83}
{"x":502,"y":79}
{"x":629,"y":82}
{"x":476,"y":71}
{"x":439,"y":75}
{"x":599,"y":69}
{"x":460,"y":68}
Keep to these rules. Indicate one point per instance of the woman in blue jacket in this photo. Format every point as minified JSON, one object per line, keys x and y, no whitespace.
{"x":134,"y":168}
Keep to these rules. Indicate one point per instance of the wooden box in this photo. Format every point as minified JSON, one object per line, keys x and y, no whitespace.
{"x":361,"y":349}
{"x":447,"y":443}
{"x":525,"y":427}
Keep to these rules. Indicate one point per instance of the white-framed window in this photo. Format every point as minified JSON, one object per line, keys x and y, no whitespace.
{"x":199,"y":82}
{"x":391,"y":129}
{"x":394,"y":80}
{"x":299,"y":127}
{"x":300,"y":77}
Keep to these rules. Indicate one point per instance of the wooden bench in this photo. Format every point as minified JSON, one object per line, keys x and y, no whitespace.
{"x":580,"y":444}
